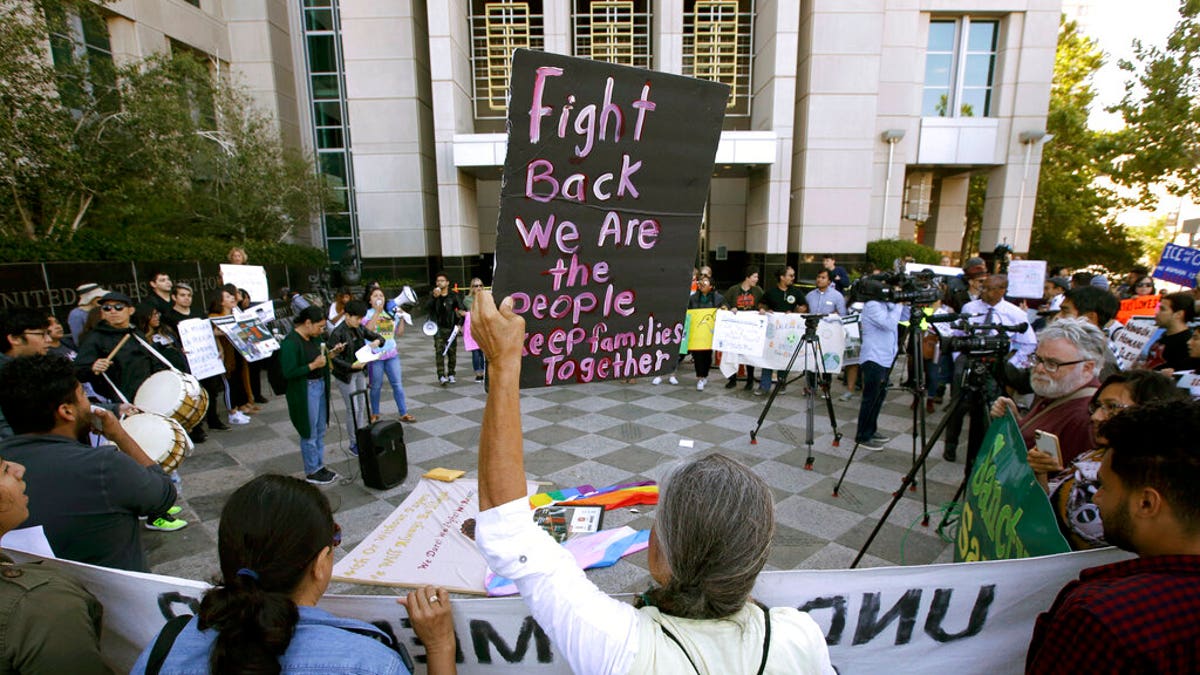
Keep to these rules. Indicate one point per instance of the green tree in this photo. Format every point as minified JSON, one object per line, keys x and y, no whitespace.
{"x":1161,"y":110}
{"x":1074,"y":215}
{"x":161,"y":146}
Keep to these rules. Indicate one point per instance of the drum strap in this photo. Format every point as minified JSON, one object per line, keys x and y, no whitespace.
{"x":154,"y":351}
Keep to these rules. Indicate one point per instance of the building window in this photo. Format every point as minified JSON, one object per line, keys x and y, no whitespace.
{"x":960,"y":67}
{"x":717,"y":40}
{"x":497,"y":28}
{"x":82,"y":55}
{"x":615,"y":31}
{"x":331,"y":124}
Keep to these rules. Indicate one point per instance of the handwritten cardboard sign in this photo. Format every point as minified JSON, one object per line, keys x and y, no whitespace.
{"x":1026,"y":278}
{"x":604,"y":185}
{"x":740,"y":333}
{"x":200,"y":348}
{"x":782,"y":334}
{"x":1133,"y":343}
{"x":1178,"y":264}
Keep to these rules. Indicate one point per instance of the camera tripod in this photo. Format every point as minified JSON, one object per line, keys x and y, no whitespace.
{"x":978,"y":387}
{"x":816,"y":377}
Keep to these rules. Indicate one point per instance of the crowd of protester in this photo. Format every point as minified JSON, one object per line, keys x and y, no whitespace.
{"x":1127,"y":474}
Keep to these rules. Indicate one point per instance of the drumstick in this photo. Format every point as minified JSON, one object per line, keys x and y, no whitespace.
{"x":118,"y":347}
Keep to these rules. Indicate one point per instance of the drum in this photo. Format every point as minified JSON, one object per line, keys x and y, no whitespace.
{"x":171,"y":393}
{"x":160,"y":437}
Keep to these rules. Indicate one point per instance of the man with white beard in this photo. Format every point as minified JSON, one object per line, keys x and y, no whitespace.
{"x":1069,"y":354}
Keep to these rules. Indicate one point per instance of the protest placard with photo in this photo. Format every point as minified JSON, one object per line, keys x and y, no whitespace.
{"x":605,"y":181}
{"x":200,"y":347}
{"x":249,"y":336}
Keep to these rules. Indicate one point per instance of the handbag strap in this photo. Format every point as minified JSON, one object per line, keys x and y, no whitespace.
{"x":766,"y":637}
{"x":164,"y":642}
{"x":766,"y":647}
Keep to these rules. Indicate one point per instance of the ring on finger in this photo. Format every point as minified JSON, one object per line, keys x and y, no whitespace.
{"x":434,"y":598}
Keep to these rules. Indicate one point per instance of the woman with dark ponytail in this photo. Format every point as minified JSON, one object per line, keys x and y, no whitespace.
{"x":276,"y":542}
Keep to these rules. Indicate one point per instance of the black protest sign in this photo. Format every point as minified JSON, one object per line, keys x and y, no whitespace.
{"x":607,"y":172}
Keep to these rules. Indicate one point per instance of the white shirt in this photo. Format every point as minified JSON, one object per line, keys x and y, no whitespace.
{"x":1006,"y":314}
{"x":596,"y":633}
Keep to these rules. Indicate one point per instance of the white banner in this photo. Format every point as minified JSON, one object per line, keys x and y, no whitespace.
{"x":964,"y":617}
{"x":783,"y":333}
{"x":250,"y":278}
{"x":1133,"y":342}
{"x":742,"y":333}
{"x":200,"y":348}
{"x":1026,"y":278}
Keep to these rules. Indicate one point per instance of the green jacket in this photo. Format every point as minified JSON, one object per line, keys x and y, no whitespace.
{"x":295,"y":370}
{"x":48,"y":623}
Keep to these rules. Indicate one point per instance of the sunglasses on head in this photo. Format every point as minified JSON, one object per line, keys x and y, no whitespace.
{"x":113,"y":308}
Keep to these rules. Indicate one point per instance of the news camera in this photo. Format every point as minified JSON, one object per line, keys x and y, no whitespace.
{"x":975,"y":344}
{"x":919,"y":288}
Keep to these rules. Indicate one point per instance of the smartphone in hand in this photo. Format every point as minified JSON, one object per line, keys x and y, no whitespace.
{"x":1048,"y":443}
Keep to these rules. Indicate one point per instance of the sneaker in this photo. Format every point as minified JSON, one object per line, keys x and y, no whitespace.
{"x":450,"y":379}
{"x":673,"y":380}
{"x":700,"y":383}
{"x":322,"y":476}
{"x":656,"y":381}
{"x":354,"y":450}
{"x":442,"y":380}
{"x":174,"y":510}
{"x":846,"y":396}
{"x":164,"y":525}
{"x":479,"y":378}
{"x":759,"y":392}
{"x":238,"y":417}
{"x":870,"y":445}
{"x":880,"y":438}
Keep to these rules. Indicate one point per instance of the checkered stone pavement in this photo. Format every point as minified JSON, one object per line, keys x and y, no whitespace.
{"x":599,"y":434}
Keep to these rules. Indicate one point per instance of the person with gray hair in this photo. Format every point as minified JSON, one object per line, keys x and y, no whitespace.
{"x":711,"y":538}
{"x":1070,"y":353}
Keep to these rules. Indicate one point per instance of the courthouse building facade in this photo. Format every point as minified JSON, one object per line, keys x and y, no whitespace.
{"x":848,"y":120}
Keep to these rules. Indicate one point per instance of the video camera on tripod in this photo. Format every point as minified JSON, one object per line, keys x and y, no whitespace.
{"x":919,"y":288}
{"x":980,"y":339}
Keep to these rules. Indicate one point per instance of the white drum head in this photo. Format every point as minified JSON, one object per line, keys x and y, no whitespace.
{"x":161,"y":393}
{"x":154,"y":433}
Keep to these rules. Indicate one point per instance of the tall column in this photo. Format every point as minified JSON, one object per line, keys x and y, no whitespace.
{"x":837,"y":134}
{"x":776,"y":41}
{"x":457,"y":239}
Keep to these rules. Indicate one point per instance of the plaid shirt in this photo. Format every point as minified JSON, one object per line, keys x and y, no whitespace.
{"x":1136,"y":616}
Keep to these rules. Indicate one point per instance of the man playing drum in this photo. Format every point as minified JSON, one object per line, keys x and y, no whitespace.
{"x":115,"y":359}
{"x":87,"y":499}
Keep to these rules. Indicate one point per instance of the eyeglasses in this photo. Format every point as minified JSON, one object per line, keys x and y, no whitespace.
{"x":476,"y":285}
{"x":44,"y":334}
{"x":1109,"y":407}
{"x":1051,"y":365}
{"x":337,"y":536}
{"x":113,"y":308}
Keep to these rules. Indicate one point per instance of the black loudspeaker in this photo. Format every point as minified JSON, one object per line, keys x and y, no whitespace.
{"x":382,"y":456}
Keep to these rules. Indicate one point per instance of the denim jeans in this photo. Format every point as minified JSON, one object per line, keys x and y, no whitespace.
{"x":356,"y":417}
{"x":312,"y":449}
{"x":764,"y":379}
{"x":376,"y":370}
{"x":478,"y":363}
{"x":874,"y":377}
